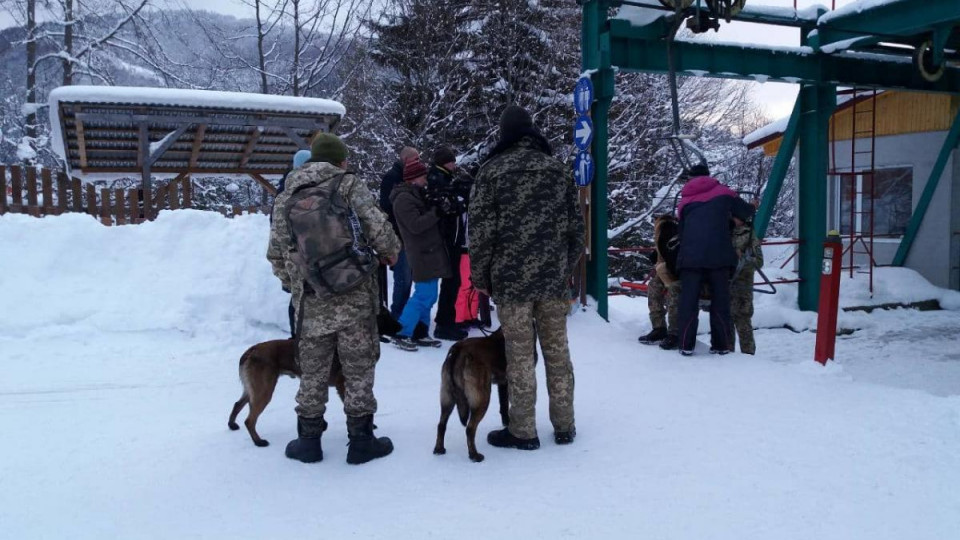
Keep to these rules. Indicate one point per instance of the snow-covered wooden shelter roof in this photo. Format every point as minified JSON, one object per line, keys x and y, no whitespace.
{"x":114,"y":129}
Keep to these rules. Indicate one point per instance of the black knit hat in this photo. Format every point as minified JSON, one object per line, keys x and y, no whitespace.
{"x":444,"y":155}
{"x":513,"y":120}
{"x":700,"y":169}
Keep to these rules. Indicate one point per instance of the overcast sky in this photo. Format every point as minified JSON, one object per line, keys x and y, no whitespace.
{"x":776,"y":98}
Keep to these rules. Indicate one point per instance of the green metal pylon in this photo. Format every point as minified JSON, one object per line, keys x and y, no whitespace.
{"x":595,"y":51}
{"x":817,"y":103}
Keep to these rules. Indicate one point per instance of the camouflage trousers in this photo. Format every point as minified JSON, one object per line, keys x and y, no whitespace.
{"x":358,"y":348}
{"x":663,"y":301}
{"x":741,"y":312}
{"x":523,"y":323}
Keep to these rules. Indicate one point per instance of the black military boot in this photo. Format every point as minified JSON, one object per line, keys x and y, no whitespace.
{"x":564,"y":437}
{"x":363,"y":445}
{"x":306,"y":447}
{"x":670,"y":342}
{"x":655,"y":335}
{"x":502,"y":438}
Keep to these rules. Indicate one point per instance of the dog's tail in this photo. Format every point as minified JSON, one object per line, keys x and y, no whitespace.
{"x":454,"y":392}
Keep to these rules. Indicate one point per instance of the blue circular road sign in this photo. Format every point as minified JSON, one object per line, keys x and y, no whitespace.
{"x":583,"y":132}
{"x":583,"y":95}
{"x":583,"y":169}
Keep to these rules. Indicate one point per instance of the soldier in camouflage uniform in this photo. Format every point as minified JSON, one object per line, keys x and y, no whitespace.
{"x":343,"y":324}
{"x":526,"y":236}
{"x":741,"y":288}
{"x":662,"y":302}
{"x":663,"y":289}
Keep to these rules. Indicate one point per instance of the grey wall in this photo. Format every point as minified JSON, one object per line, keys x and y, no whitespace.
{"x":955,"y":224}
{"x":935,"y":250}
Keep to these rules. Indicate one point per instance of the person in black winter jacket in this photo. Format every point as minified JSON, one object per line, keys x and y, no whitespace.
{"x":707,"y":255}
{"x":451,"y":197}
{"x":402,"y":274}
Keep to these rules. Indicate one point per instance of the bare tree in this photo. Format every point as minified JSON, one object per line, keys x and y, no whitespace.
{"x":324,"y":32}
{"x":31,"y":44}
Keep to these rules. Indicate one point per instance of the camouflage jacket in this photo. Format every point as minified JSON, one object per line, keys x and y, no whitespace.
{"x":331,"y":313}
{"x":743,"y":240}
{"x":526,"y":230}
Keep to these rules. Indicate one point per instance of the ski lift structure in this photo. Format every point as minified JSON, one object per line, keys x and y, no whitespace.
{"x":901,"y":44}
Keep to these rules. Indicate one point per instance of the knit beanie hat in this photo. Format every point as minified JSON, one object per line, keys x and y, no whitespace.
{"x":413,"y":169}
{"x":700,"y":169}
{"x":328,"y":147}
{"x":513,"y":120}
{"x":444,"y":155}
{"x":301,"y":157}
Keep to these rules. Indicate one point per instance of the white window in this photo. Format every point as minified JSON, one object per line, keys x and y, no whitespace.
{"x":849,"y":199}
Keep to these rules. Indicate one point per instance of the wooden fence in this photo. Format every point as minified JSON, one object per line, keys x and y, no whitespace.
{"x":41,"y":192}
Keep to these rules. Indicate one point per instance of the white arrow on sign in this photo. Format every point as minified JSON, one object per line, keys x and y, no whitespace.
{"x":583,"y":133}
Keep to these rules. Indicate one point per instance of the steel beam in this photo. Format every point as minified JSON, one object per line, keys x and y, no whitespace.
{"x":817,"y":104}
{"x":884,"y":21}
{"x":775,"y":16}
{"x":794,"y":65}
{"x":916,"y":219}
{"x":777,"y":174}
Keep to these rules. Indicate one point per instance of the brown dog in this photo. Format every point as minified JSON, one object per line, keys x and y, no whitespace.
{"x":260,"y":368}
{"x":472,"y":365}
{"x":262,"y":365}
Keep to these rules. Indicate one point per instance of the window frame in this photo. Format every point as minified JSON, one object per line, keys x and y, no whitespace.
{"x":835,"y":198}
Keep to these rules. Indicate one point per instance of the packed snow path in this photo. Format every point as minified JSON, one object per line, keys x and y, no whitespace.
{"x":118,"y":429}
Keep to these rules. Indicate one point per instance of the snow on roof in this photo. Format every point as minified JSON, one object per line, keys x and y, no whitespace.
{"x":178,"y":97}
{"x":773,"y":128}
{"x":778,"y":127}
{"x":642,"y":15}
{"x":136,"y":95}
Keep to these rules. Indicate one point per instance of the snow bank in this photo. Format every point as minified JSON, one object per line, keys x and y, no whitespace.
{"x":189,"y":271}
{"x":892,"y":285}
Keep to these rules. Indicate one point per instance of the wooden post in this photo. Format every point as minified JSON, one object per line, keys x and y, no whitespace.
{"x":91,"y":200}
{"x":120,"y":212}
{"x":77,"y":194}
{"x":187,"y":192}
{"x":134,"y":196}
{"x":105,"y":207}
{"x":172,"y":194}
{"x":46,"y":180}
{"x":3,"y":190}
{"x":62,"y":190}
{"x":143,"y":161}
{"x":16,"y":183}
{"x":147,"y":204}
{"x":32,"y":206}
{"x":161,"y":200}
{"x":237,"y":210}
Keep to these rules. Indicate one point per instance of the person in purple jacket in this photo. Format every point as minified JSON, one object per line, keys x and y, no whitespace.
{"x":707,"y":255}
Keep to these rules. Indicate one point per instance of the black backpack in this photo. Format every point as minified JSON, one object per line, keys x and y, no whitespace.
{"x":331,"y":252}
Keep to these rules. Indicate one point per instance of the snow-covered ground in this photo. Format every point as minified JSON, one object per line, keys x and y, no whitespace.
{"x":119,"y":349}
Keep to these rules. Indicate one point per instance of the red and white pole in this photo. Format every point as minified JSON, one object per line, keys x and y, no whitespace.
{"x":829,"y":298}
